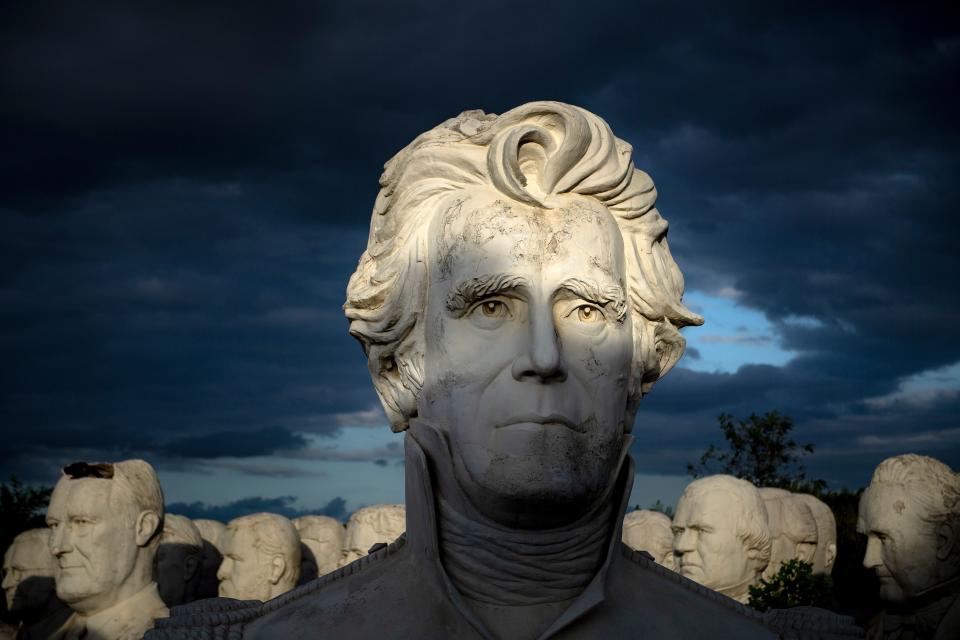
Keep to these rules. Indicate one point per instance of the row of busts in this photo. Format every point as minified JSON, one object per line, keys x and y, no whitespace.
{"x":727,"y":534}
{"x":111,"y":562}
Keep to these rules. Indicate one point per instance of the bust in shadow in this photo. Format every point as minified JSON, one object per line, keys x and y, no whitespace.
{"x":28,"y":584}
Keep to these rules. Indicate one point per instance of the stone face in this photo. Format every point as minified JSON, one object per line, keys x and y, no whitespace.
{"x":261,"y":557}
{"x":380,"y":523}
{"x":106,"y":522}
{"x":793,"y":529}
{"x":28,"y":585}
{"x":910,"y":514}
{"x":325,"y":538}
{"x":516,"y":300}
{"x":721,"y":535}
{"x":826,"y":552}
{"x":650,"y":531}
{"x":213,"y":534}
{"x":179,"y":561}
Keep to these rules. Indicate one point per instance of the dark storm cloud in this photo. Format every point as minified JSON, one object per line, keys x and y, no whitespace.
{"x":336,"y":508}
{"x":235,"y":444}
{"x":186,"y":188}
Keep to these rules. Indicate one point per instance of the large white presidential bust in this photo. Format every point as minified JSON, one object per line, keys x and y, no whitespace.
{"x":910,"y":514}
{"x":106,"y":522}
{"x":516,"y":300}
{"x":793,"y":529}
{"x":721,"y":535}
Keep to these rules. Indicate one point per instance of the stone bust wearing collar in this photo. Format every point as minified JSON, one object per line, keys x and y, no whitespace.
{"x":910,"y":514}
{"x":516,"y":300}
{"x":105,"y":525}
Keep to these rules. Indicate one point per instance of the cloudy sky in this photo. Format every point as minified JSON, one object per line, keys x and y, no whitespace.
{"x":185,"y":188}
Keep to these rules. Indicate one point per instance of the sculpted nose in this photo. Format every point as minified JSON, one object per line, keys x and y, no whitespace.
{"x":59,"y":541}
{"x":542,"y":360}
{"x":871,"y":559}
{"x":222,"y":570}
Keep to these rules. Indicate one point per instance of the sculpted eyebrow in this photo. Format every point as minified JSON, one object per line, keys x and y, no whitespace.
{"x":609,"y":295}
{"x":469,"y":291}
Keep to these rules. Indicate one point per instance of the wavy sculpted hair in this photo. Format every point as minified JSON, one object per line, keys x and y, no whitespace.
{"x":534,"y":154}
{"x":930,"y":482}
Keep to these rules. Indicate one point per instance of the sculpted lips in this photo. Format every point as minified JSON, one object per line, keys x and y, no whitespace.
{"x":532,"y":418}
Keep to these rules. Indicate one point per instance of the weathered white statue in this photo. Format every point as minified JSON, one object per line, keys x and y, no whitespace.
{"x":261,"y":557}
{"x":213,"y":533}
{"x":793,"y":529}
{"x":106,"y":522}
{"x":380,"y":523}
{"x":910,"y":514}
{"x":516,"y":300}
{"x":324,"y":537}
{"x":179,"y":560}
{"x":646,"y":530}
{"x":28,"y":569}
{"x":721,"y":535}
{"x":826,"y":552}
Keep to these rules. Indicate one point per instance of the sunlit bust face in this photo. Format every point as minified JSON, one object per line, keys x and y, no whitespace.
{"x":528,"y":352}
{"x":244,"y":573}
{"x":901,"y":546}
{"x":706,"y":545}
{"x":93,"y":537}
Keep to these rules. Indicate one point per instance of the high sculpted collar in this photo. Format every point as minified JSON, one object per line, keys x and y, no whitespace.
{"x":493,"y":564}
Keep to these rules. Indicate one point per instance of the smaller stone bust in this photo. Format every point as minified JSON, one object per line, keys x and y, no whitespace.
{"x":324,"y":537}
{"x":213,"y":533}
{"x":826,"y":552}
{"x":910,"y":514}
{"x":106,"y":521}
{"x":793,"y":529}
{"x":381,"y":523}
{"x":179,"y":561}
{"x":646,"y":530}
{"x":28,"y":570}
{"x":261,"y":557}
{"x":721,"y":536}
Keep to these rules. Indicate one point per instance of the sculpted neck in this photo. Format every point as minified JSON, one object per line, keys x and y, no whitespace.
{"x":493,"y":564}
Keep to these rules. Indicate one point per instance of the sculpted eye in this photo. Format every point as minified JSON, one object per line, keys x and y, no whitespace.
{"x":492,"y":309}
{"x":588,"y":313}
{"x":490,"y":313}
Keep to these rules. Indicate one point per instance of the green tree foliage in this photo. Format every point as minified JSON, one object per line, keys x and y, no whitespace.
{"x":794,"y":585}
{"x":759,"y":449}
{"x":21,"y":507}
{"x":665,"y":509}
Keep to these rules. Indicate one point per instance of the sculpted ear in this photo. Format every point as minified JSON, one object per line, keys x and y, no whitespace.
{"x":148,"y":523}
{"x":393,"y":378}
{"x":278,"y":566}
{"x":830,"y":556}
{"x":662,"y":347}
{"x":946,"y":541}
{"x":190,"y":567}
